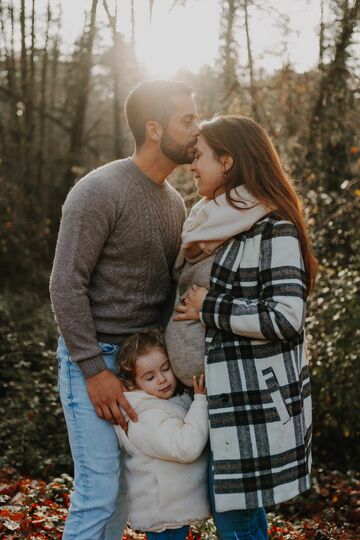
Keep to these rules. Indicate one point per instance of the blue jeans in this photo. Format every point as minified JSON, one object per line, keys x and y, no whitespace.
{"x":237,"y":524}
{"x":98,"y":507}
{"x":169,"y":534}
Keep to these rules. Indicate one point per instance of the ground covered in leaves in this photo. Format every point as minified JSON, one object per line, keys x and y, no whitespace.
{"x":31,"y":508}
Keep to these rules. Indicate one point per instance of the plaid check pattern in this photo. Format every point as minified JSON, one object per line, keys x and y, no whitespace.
{"x":256,"y":371}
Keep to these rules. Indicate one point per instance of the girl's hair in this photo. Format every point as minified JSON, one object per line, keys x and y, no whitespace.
{"x":256,"y":165}
{"x":132,"y":348}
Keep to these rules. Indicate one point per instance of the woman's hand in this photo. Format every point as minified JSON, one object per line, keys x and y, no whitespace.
{"x":191,"y":304}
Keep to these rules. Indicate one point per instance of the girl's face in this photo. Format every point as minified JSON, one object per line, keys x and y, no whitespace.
{"x":153,"y":374}
{"x":207,"y":169}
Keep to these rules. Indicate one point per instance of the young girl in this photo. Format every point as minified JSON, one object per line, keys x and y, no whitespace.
{"x":254,"y":311}
{"x":165,"y":460}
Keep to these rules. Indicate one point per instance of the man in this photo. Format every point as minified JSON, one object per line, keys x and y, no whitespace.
{"x":117,"y":243}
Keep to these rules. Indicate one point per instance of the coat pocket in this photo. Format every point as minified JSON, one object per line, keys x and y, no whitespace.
{"x":276,"y":395}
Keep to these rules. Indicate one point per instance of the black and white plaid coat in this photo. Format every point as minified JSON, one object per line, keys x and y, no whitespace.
{"x":256,"y":371}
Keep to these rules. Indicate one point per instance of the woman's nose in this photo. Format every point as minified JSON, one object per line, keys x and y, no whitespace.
{"x":193,"y":166}
{"x":196,"y":130}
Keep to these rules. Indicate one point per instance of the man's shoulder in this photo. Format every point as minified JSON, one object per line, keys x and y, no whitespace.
{"x":111,"y":173}
{"x":105,"y":182}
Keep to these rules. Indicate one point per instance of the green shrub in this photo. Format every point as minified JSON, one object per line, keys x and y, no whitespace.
{"x":33,"y":436}
{"x":333,"y":326}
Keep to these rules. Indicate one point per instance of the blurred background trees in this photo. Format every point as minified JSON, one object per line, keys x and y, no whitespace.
{"x":61,"y":114}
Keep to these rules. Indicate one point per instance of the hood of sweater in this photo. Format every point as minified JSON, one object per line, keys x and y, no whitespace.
{"x":139,"y":399}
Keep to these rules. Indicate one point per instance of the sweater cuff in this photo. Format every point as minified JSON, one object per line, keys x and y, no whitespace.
{"x":201,"y":398}
{"x":92,"y":366}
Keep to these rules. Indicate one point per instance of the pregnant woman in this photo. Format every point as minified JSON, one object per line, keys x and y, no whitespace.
{"x":246,"y":248}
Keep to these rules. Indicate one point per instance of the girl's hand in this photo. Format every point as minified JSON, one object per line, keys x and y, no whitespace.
{"x":199,"y":387}
{"x":191,"y":304}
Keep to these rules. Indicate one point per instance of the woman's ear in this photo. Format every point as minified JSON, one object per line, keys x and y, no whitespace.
{"x":154,"y":130}
{"x":227,"y":160}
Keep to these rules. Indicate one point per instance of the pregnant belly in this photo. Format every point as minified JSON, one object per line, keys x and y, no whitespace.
{"x":185,"y":343}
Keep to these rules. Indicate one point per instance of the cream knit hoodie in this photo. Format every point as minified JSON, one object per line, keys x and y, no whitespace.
{"x":166,"y":461}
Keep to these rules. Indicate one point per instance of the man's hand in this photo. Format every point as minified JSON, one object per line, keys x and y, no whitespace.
{"x":106,"y":392}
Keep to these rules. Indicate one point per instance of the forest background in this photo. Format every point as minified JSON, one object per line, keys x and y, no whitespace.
{"x":61,"y":114}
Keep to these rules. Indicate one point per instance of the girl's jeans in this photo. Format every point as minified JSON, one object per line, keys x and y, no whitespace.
{"x":237,"y":524}
{"x":98,"y":506}
{"x":169,"y":534}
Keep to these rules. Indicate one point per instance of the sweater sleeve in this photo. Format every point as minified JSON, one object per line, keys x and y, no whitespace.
{"x":86,"y":223}
{"x":160,"y":435}
{"x":279,"y":311}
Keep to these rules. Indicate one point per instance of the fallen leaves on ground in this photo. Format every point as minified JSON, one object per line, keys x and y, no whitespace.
{"x":33,"y":509}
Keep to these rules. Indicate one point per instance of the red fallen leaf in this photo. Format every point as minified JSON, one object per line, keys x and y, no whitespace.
{"x":14,"y":516}
{"x":37,"y":522}
{"x":8,"y":489}
{"x":66,"y":498}
{"x":24,"y":485}
{"x":26,"y":523}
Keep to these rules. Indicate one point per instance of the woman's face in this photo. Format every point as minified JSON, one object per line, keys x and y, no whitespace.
{"x":207,"y":169}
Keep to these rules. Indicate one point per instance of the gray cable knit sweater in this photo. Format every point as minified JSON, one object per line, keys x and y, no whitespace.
{"x":117,"y":243}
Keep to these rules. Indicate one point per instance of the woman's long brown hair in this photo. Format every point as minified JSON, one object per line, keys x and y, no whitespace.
{"x":256,"y":165}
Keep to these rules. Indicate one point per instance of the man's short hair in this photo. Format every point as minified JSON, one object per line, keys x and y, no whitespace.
{"x":151,"y":100}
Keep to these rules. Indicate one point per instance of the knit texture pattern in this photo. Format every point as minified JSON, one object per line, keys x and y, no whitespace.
{"x":117,"y":243}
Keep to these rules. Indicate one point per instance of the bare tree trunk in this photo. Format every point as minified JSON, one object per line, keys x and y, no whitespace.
{"x":78,"y":123}
{"x":3,"y":135}
{"x":132,"y":24}
{"x":118,"y":152}
{"x":228,"y":50}
{"x":24,"y":85}
{"x":253,"y":89}
{"x":55,"y":54}
{"x":321,"y":35}
{"x":29,"y":116}
{"x":43,"y":191}
{"x":329,"y":140}
{"x":23,"y":51}
{"x":16,"y":132}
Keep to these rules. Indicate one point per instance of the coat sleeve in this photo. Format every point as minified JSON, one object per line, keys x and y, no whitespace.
{"x":279,"y":311}
{"x":160,"y":435}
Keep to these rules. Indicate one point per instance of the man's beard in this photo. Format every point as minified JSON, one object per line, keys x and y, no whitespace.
{"x":178,"y":153}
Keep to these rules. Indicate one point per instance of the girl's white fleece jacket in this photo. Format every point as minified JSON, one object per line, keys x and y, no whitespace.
{"x":166,"y":461}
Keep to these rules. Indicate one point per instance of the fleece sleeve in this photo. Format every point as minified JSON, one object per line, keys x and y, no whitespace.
{"x":279,"y":311}
{"x":160,"y":435}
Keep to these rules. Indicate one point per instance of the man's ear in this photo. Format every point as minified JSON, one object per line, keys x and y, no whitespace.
{"x":154,"y":130}
{"x":227,"y":160}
